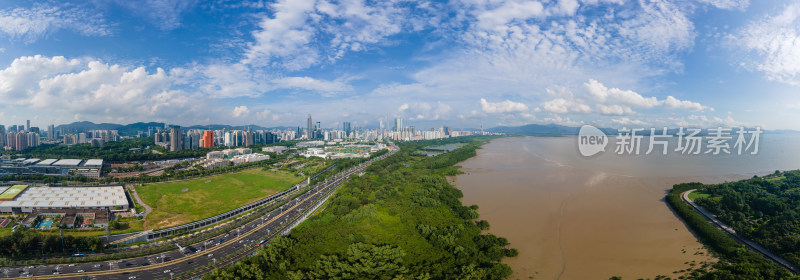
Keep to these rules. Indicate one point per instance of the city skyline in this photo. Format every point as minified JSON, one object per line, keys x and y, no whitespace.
{"x":463,"y":64}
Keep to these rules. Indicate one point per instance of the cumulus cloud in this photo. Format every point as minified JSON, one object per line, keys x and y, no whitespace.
{"x":604,"y":94}
{"x":618,"y":97}
{"x":774,"y":44}
{"x":507,"y":106}
{"x":92,"y":88}
{"x":43,"y":19}
{"x":240,"y":111}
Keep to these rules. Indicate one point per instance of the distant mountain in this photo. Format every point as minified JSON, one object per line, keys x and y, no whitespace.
{"x":554,"y":129}
{"x":84,"y":126}
{"x":543,"y":129}
{"x":134,"y":128}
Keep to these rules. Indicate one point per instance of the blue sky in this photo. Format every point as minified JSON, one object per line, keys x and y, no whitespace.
{"x":464,"y":63}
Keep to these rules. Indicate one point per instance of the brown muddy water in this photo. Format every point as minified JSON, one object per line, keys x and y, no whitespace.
{"x":593,"y":218}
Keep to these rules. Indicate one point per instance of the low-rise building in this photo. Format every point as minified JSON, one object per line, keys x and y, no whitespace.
{"x":64,"y":167}
{"x":27,"y":199}
{"x":275,"y":149}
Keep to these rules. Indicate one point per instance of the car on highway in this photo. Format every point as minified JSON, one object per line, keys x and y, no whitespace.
{"x":167,"y":271}
{"x":210,"y":255}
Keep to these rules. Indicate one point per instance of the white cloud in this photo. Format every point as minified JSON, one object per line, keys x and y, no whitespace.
{"x":403,"y":107}
{"x":562,"y":106}
{"x":728,"y":4}
{"x":303,"y":33}
{"x":672,"y":102}
{"x":658,"y":29}
{"x":240,"y":111}
{"x":507,"y":106}
{"x":42,"y":19}
{"x":308,"y":83}
{"x":424,"y":111}
{"x":166,"y":14}
{"x":91,"y":88}
{"x":18,"y":79}
{"x":228,"y":80}
{"x":286,"y":35}
{"x":774,"y":42}
{"x":508,"y":11}
{"x":613,"y":109}
{"x":627,"y":121}
{"x":616,"y":96}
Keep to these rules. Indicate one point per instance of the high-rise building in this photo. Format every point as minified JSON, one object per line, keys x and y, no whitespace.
{"x":51,"y":132}
{"x":175,"y":139}
{"x":347,"y":129}
{"x":310,"y":131}
{"x":11,"y":140}
{"x":22,"y":141}
{"x":29,"y":125}
{"x":2,"y":136}
{"x":208,"y":139}
{"x":398,"y":124}
{"x":228,"y":139}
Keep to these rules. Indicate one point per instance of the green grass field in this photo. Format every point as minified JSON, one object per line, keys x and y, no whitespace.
{"x":209,"y":196}
{"x":697,"y":194}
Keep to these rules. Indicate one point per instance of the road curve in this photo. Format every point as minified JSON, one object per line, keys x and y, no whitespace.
{"x":730,"y":231}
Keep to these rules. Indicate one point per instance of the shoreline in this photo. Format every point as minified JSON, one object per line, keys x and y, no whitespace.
{"x":550,"y":238}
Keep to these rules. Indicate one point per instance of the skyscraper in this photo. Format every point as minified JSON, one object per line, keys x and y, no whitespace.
{"x":28,"y":127}
{"x":398,"y":124}
{"x":51,"y":131}
{"x":310,"y":131}
{"x":175,"y":139}
{"x":346,"y":127}
{"x":208,"y":139}
{"x":2,"y":136}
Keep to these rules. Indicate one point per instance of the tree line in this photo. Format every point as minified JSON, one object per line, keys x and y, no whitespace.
{"x":400,"y":220}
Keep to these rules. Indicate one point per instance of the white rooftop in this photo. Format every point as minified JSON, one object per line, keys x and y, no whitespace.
{"x":93,"y":162}
{"x":69,"y":197}
{"x":30,"y":161}
{"x":47,"y":162}
{"x":67,"y":162}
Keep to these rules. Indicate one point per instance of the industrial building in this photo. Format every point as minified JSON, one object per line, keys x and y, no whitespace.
{"x":24,"y":199}
{"x":53,"y":167}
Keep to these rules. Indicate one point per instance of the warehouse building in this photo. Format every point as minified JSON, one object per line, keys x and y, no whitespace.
{"x":26,"y":199}
{"x":53,"y":167}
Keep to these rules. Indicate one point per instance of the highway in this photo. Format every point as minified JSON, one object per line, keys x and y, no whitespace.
{"x":194,"y":258}
{"x":730,"y":231}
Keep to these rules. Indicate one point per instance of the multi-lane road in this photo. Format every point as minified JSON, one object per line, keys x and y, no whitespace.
{"x":194,"y":260}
